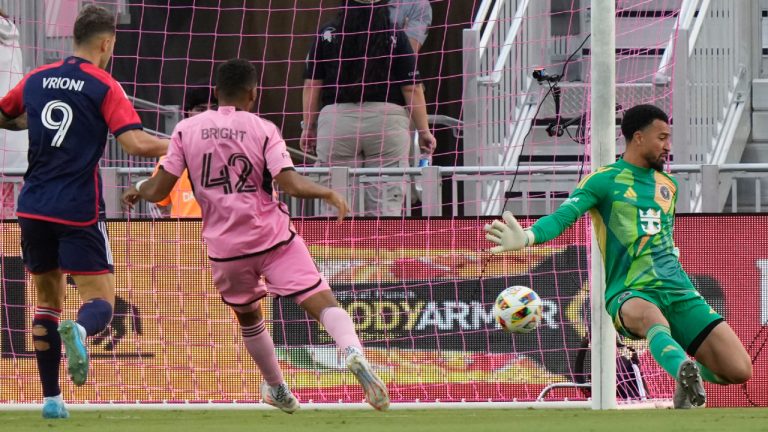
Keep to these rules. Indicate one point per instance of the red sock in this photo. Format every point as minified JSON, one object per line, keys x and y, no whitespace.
{"x":47,"y":341}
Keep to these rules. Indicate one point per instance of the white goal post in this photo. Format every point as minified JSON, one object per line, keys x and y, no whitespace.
{"x":603,"y":115}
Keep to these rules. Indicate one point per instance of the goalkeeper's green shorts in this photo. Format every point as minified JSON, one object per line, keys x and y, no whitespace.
{"x":690,"y":318}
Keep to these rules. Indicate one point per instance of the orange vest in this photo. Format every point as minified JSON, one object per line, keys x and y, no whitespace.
{"x":181,"y":199}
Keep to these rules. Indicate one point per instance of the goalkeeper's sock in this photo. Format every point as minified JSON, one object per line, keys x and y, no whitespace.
{"x":339,"y":325}
{"x":47,"y":342}
{"x":94,"y":316}
{"x":262,"y":350}
{"x":665,"y":350}
{"x":709,"y":376}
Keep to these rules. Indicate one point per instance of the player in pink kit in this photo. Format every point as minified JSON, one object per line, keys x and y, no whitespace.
{"x":233,"y":157}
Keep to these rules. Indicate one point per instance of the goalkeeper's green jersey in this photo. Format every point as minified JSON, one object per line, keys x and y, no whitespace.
{"x":633,"y":214}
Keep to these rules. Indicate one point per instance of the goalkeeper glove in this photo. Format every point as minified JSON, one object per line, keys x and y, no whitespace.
{"x":509,"y":236}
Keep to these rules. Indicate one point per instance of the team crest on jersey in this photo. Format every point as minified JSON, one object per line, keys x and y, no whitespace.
{"x":650,"y":221}
{"x":665,"y":192}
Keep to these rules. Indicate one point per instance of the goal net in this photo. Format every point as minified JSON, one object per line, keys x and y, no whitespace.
{"x":419,"y":285}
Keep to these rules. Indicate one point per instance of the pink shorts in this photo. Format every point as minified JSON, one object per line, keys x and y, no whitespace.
{"x":289,"y":271}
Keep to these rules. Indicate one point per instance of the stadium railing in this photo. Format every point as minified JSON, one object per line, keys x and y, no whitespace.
{"x":542,"y":186}
{"x":497,"y":85}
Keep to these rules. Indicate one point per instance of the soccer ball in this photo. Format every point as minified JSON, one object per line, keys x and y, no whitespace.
{"x":517,"y":309}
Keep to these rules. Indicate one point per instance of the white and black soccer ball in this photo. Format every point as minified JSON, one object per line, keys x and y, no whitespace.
{"x":518,"y":309}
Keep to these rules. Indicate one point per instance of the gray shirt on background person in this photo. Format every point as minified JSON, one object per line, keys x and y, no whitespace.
{"x":413,"y":17}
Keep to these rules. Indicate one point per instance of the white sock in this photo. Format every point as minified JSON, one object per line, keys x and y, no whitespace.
{"x":56,"y":398}
{"x":81,"y":329}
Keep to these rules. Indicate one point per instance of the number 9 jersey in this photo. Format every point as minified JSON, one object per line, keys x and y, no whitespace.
{"x":71,"y":105}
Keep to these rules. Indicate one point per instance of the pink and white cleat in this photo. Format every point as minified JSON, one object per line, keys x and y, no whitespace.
{"x":279,"y":397}
{"x":375,"y":391}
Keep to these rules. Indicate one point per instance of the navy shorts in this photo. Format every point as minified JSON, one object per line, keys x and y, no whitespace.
{"x":47,"y":246}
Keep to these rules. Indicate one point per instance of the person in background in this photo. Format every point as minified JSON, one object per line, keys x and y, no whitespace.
{"x":412,"y":17}
{"x":361,"y":93}
{"x":181,"y":203}
{"x":13,"y":144}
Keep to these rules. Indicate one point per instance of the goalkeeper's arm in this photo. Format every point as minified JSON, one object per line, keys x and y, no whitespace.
{"x":510,"y":236}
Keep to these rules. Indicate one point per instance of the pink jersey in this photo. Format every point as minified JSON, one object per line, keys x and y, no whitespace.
{"x":232,"y":157}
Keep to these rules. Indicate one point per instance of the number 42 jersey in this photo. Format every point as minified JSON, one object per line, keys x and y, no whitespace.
{"x":70,"y":106}
{"x":232,"y":157}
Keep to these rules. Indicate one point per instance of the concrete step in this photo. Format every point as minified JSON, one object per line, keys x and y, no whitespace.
{"x":643,"y":30}
{"x":540,"y":194}
{"x":633,"y":65}
{"x":760,"y":94}
{"x":760,"y":126}
{"x":746,"y":198}
{"x":648,"y":5}
{"x":574,"y":96}
{"x":540,"y":144}
{"x":755,"y":152}
{"x":541,"y":147}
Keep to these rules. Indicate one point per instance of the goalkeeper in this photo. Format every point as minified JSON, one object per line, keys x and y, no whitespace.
{"x":648,"y":295}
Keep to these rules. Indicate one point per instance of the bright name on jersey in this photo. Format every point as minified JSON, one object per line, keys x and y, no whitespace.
{"x":223,"y":133}
{"x":63,"y":83}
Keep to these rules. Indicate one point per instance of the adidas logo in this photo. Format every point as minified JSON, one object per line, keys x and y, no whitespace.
{"x":630,"y":194}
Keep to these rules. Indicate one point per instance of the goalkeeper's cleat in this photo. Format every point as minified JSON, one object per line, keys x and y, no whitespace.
{"x":680,"y":398}
{"x":689,"y":390}
{"x":279,"y":397}
{"x":73,"y":336}
{"x":54,"y":409}
{"x":375,"y":391}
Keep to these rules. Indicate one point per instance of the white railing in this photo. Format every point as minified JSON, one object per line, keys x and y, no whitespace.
{"x":710,"y":86}
{"x":541,"y":188}
{"x":497,"y":86}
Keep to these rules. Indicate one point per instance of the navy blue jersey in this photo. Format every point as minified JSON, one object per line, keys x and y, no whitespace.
{"x":71,"y":105}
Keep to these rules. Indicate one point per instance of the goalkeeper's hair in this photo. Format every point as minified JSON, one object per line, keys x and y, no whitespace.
{"x":234,"y":77}
{"x":93,"y":21}
{"x":640,"y":117}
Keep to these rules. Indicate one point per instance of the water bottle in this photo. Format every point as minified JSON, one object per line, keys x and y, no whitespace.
{"x":424,"y":162}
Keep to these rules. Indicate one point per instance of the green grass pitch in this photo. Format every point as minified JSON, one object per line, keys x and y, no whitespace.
{"x":444,"y":420}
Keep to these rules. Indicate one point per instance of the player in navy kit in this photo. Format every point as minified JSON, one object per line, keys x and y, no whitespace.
{"x":70,"y":106}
